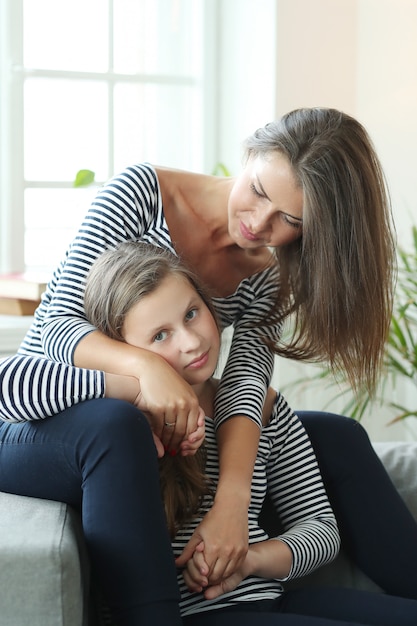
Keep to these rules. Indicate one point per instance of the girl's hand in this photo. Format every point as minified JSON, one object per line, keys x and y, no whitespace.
{"x":227,"y":584}
{"x":224,"y":534}
{"x":272,"y":558}
{"x":191,"y":444}
{"x":195,"y":575}
{"x":196,"y":570}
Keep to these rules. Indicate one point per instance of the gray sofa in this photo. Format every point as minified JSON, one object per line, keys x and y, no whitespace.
{"x":44,"y":571}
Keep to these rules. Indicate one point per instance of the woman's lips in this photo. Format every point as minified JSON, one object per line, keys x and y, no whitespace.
{"x":245,"y":232}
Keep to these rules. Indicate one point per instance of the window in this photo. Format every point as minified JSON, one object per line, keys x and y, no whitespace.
{"x":94,"y":84}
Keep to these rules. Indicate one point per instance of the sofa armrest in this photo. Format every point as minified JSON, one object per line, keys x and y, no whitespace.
{"x":44,"y":573}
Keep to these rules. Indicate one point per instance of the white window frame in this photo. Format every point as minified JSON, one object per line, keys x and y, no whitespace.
{"x":12,"y":76}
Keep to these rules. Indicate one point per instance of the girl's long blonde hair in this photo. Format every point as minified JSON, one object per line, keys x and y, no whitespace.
{"x":337,"y":280}
{"x":119,"y":279}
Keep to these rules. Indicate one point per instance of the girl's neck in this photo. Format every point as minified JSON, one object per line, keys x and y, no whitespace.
{"x":205,"y":393}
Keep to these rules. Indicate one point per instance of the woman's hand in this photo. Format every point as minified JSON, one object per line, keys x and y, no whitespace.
{"x":224,"y":529}
{"x":195,"y":575}
{"x":224,"y":534}
{"x":128,"y":388}
{"x":170,"y":402}
{"x":163,"y":393}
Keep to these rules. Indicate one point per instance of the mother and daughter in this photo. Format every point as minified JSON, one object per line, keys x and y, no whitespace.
{"x":303,"y":231}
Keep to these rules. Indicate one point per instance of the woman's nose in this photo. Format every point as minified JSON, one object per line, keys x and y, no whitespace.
{"x":260,"y":222}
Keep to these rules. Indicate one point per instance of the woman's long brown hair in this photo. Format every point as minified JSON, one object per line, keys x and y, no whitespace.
{"x":337,"y":280}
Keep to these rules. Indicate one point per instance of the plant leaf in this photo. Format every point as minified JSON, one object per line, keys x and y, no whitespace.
{"x":84,"y":178}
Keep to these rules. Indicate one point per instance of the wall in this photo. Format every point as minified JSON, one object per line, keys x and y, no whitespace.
{"x":359,"y":56}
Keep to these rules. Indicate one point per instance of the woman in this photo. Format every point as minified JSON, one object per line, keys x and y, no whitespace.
{"x":143,"y":295}
{"x":313,"y":191}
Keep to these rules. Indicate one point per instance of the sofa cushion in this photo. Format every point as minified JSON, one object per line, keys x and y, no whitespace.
{"x":400,"y":460}
{"x":43,"y":564}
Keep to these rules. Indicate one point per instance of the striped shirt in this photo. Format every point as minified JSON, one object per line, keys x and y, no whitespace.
{"x":41,"y":379}
{"x":285,"y":466}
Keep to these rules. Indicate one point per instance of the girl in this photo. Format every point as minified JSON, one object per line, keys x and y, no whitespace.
{"x":144,"y":296}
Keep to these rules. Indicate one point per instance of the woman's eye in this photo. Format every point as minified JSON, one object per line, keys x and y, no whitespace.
{"x":190,"y":315}
{"x":160,"y":336}
{"x":256,"y":191}
{"x":297,"y":225}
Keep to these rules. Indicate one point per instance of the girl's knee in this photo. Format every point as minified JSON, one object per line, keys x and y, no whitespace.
{"x":333,"y":428}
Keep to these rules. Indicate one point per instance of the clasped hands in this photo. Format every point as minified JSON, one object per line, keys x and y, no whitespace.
{"x":215,"y":559}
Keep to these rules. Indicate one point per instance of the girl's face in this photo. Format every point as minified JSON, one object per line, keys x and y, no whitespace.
{"x":265,"y":205}
{"x":174,"y":322}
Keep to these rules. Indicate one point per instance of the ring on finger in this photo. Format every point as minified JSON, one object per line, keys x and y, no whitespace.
{"x":170,"y":424}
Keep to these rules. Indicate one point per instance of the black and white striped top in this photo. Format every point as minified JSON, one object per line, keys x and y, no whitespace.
{"x":285,"y":466}
{"x":41,"y":379}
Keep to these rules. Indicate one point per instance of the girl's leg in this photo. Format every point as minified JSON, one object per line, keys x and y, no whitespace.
{"x":377,"y":529}
{"x":240,"y":617}
{"x":350,"y":605}
{"x":315,"y":607}
{"x":99,"y":457}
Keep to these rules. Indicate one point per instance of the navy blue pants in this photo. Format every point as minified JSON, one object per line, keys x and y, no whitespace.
{"x":100,"y":458}
{"x":315,"y":607}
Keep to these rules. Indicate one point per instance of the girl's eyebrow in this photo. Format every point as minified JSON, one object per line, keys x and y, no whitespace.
{"x":192,"y":302}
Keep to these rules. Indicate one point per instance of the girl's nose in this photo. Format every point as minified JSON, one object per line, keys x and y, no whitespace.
{"x":189,"y":340}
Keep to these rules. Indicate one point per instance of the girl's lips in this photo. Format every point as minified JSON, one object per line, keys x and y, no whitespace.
{"x":199,"y":361}
{"x":245,"y":232}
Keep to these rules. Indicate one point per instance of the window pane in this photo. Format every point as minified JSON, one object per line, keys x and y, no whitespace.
{"x":66,"y":128}
{"x":159,"y":124}
{"x":66,"y":35}
{"x":165,"y":36}
{"x":52,"y":217}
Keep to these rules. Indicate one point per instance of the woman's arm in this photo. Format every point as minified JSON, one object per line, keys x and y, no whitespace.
{"x":224,"y":529}
{"x":297,"y":491}
{"x":163,"y":394}
{"x":239,"y":406}
{"x":127,"y":208}
{"x":33,"y":388}
{"x":310,"y":538}
{"x":124,"y":209}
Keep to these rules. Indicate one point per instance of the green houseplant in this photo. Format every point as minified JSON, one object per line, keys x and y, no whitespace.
{"x":400,"y":361}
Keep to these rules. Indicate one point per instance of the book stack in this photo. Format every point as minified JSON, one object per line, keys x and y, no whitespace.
{"x":20,"y":293}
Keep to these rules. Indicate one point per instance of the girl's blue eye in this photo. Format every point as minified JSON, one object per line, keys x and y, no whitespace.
{"x":160,"y":336}
{"x":191,"y":314}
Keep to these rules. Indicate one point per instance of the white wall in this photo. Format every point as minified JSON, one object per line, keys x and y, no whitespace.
{"x":359,"y":56}
{"x":356,"y":55}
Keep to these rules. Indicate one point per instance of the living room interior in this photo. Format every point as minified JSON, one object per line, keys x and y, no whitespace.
{"x":227,"y":67}
{"x":358,"y":56}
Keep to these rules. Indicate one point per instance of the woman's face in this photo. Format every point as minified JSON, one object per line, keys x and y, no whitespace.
{"x":174,"y":322}
{"x":265,"y":205}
